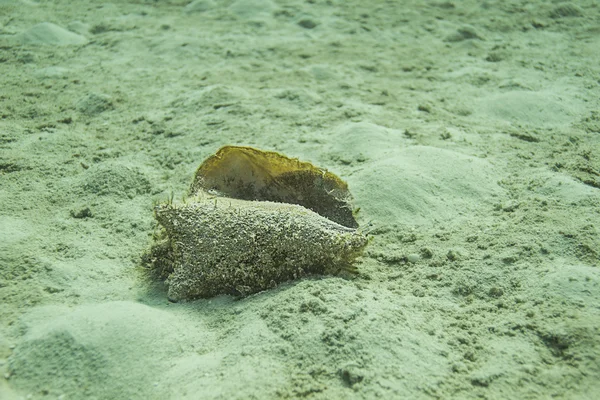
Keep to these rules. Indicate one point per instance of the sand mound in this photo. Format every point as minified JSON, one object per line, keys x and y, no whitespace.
{"x":48,"y":33}
{"x":529,"y":108}
{"x":85,"y":352}
{"x":422,"y":185}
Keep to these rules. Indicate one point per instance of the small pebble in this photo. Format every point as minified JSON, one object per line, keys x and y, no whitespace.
{"x":307,"y":23}
{"x":413,"y":258}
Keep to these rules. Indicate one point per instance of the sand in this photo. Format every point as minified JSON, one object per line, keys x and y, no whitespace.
{"x":469,"y":134}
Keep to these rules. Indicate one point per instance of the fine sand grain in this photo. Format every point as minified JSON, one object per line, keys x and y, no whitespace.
{"x":469,"y":134}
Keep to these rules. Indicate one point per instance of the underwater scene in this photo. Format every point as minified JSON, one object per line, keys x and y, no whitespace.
{"x":299,"y":199}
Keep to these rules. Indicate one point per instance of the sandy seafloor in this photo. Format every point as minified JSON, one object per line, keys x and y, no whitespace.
{"x":468,"y":132}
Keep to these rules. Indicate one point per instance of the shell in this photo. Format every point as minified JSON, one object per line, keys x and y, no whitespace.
{"x":224,"y":244}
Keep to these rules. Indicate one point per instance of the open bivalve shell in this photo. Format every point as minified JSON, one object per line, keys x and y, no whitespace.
{"x":254,"y":219}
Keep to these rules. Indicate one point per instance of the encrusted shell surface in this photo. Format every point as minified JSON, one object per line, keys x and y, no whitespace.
{"x":239,"y":247}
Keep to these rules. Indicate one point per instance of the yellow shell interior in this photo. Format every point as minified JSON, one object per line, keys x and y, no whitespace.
{"x":251,"y":174}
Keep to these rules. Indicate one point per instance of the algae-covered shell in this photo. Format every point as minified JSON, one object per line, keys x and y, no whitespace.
{"x":253,"y":220}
